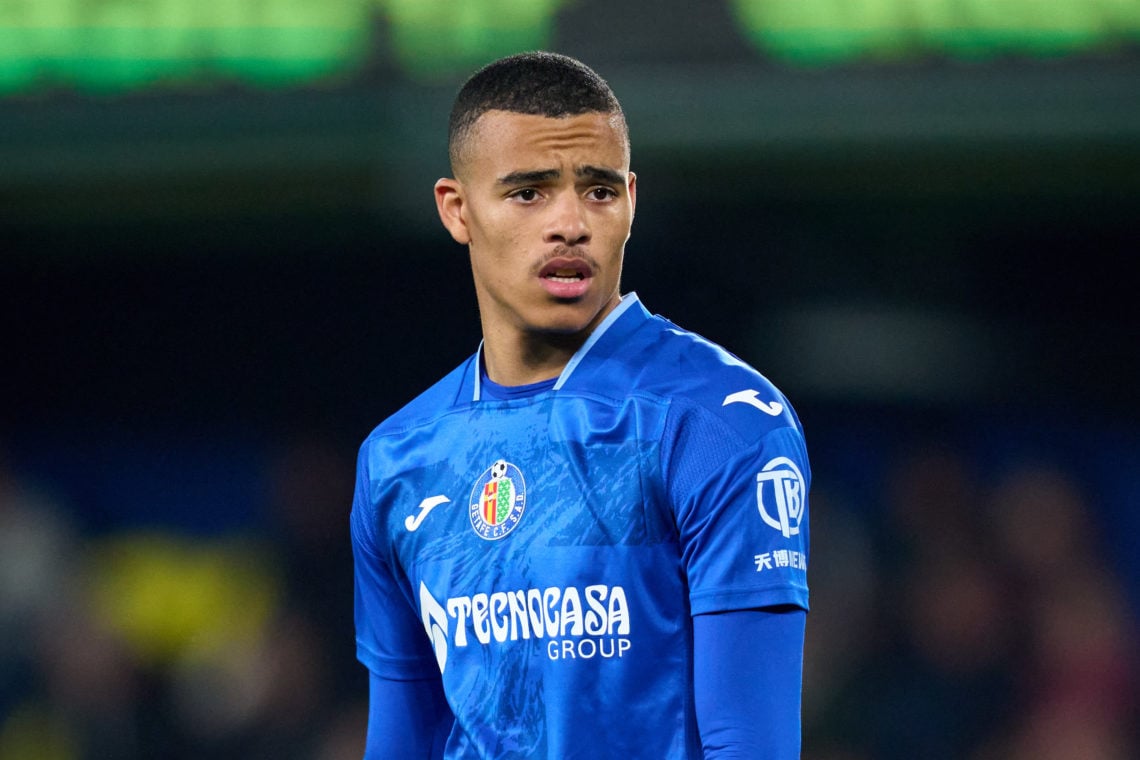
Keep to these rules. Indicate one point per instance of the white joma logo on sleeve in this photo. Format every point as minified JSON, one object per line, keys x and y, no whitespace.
{"x":751,"y":398}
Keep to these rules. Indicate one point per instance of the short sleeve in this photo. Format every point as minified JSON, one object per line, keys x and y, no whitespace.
{"x":390,"y":639}
{"x":742,"y":514}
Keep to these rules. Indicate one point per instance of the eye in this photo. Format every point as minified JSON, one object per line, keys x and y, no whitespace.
{"x":526,"y":194}
{"x":601,"y":193}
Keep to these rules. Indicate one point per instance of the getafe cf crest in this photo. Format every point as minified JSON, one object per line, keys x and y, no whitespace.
{"x":780,"y":494}
{"x":497,"y":501}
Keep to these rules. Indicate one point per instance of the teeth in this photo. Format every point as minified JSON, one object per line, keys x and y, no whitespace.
{"x":565,"y":275}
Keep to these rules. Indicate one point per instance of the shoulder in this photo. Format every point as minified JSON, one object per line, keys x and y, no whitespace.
{"x":706,"y":384}
{"x":446,"y":396}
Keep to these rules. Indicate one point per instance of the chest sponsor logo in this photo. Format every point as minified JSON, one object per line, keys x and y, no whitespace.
{"x":781,"y":496}
{"x":572,"y":623}
{"x":497,"y":501}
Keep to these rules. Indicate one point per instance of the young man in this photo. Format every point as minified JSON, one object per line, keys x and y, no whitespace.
{"x":590,"y":539}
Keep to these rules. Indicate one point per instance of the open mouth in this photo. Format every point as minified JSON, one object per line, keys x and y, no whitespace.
{"x":565,"y":269}
{"x":564,"y":275}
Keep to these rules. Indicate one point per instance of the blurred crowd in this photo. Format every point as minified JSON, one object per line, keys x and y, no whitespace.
{"x":930,"y":637}
{"x":149,"y":643}
{"x":976,"y":620}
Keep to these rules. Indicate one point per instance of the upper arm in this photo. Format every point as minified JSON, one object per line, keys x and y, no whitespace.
{"x":390,"y":637}
{"x":741,"y":509}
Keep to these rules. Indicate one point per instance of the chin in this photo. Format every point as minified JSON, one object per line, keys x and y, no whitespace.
{"x":562,"y":328}
{"x":568,"y":319}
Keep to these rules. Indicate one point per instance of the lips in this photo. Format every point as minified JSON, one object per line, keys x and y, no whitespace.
{"x":566,"y":277}
{"x":566,"y":269}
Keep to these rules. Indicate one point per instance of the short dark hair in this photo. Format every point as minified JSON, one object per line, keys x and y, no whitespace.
{"x":538,"y":83}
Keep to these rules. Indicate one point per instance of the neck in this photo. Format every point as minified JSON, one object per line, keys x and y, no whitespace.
{"x":514,"y":355}
{"x":525,"y":359}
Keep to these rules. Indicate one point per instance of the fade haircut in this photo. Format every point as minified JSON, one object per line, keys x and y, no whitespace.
{"x":537,"y":83}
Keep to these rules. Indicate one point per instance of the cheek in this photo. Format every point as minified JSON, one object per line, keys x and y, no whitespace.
{"x":503,"y":244}
{"x":497,"y":257}
{"x":617,"y":230}
{"x":493,"y":232}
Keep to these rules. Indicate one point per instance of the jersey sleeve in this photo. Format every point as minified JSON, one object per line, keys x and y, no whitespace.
{"x":390,"y":640}
{"x":740,"y":497}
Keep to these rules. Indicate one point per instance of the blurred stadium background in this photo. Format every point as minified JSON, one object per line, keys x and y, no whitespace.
{"x":220,"y":267}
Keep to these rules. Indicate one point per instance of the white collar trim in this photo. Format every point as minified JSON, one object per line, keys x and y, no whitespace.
{"x":626,"y":302}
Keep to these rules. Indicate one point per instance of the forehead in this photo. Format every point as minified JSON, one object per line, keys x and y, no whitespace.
{"x":503,"y":139}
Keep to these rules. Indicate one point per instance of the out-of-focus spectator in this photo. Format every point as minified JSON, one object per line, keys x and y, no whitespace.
{"x":1043,"y":525}
{"x":933,"y":499}
{"x":934,"y":682}
{"x":997,"y":633}
{"x":1079,"y":675}
{"x":310,"y":484}
{"x":37,"y":548}
{"x":842,"y":621}
{"x":37,"y":557}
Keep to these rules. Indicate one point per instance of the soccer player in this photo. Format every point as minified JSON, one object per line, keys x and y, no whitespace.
{"x":590,"y":539}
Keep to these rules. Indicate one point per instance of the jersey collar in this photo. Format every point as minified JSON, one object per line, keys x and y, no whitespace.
{"x":609,"y":329}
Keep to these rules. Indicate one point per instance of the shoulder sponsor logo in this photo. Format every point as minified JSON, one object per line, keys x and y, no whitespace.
{"x":780,"y":495}
{"x":497,"y":501}
{"x":780,"y":558}
{"x":411,"y":522}
{"x":575,"y":623}
{"x":752,"y":398}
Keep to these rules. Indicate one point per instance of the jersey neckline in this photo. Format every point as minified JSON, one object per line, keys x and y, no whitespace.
{"x":480,"y":393}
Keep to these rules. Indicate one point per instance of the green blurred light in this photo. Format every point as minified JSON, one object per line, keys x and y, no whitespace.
{"x":116,"y":45}
{"x":127,"y":44}
{"x":828,"y":31}
{"x":440,"y":38}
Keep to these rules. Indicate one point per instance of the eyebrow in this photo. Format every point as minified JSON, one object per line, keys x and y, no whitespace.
{"x":599,"y":173}
{"x":531,"y":177}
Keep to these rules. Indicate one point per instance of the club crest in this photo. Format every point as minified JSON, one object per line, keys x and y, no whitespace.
{"x":497,"y":501}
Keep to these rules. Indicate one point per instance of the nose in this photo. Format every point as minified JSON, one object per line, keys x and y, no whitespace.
{"x":567,"y":223}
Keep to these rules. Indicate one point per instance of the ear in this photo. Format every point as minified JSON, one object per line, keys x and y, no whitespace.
{"x":631,"y":188}
{"x":449,"y":202}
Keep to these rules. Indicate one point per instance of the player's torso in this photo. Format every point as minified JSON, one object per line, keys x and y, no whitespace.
{"x":543,"y":560}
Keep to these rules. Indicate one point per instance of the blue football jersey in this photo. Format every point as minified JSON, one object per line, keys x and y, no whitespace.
{"x":546,"y":554}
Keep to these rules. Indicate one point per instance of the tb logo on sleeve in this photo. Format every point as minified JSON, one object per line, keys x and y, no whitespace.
{"x":780,"y":494}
